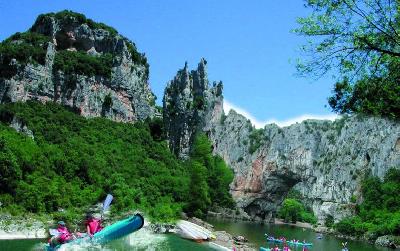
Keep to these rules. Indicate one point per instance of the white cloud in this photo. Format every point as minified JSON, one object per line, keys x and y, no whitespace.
{"x":282,"y":123}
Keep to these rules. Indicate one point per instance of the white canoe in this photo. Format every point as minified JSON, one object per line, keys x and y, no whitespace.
{"x":192,"y":231}
{"x":204,"y":230}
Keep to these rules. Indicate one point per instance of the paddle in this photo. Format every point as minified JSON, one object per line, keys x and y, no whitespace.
{"x":107,"y":203}
{"x":53,"y":232}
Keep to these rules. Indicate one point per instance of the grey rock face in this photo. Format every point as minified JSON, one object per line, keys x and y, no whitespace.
{"x":19,"y":126}
{"x":323,"y":160}
{"x":127,"y":88}
{"x":189,"y":104}
{"x":387,"y":241}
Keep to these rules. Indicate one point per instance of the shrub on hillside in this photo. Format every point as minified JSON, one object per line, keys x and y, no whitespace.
{"x":379,"y":213}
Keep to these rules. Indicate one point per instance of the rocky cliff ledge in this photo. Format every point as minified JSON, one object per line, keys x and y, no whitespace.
{"x":324,"y":160}
{"x":72,"y":60}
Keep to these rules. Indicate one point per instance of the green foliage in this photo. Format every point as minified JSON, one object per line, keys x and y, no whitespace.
{"x":156,"y":126}
{"x":379,"y":213}
{"x":32,"y":38}
{"x":10,"y":172}
{"x":137,"y":57}
{"x":108,"y":101}
{"x":78,"y":62}
{"x":293,"y":210}
{"x":351,"y":226}
{"x":353,"y":199}
{"x":199,"y":190}
{"x":74,"y":162}
{"x":166,"y":210}
{"x":256,"y":138}
{"x":355,"y":37}
{"x":308,"y":216}
{"x":374,"y":96}
{"x":210,"y":179}
{"x":220,"y":176}
{"x":27,"y":47}
{"x":290,"y":210}
{"x":360,"y":40}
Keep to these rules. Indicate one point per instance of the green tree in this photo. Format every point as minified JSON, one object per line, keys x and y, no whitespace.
{"x":219,"y":175}
{"x":291,"y":210}
{"x":201,"y":149}
{"x":74,"y":161}
{"x":199,"y":200}
{"x":379,"y":212}
{"x":354,"y":36}
{"x":10,"y":171}
{"x":360,"y":40}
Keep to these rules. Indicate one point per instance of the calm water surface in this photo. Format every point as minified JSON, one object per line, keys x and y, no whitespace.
{"x":255,"y":233}
{"x":144,"y":240}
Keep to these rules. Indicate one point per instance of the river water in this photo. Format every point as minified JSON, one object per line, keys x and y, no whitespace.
{"x":255,"y":233}
{"x":144,"y":240}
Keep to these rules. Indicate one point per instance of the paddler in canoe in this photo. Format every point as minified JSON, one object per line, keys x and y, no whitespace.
{"x":93,"y":225}
{"x":61,"y":235}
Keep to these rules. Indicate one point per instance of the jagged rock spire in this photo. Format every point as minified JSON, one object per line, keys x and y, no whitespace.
{"x":188,"y":104}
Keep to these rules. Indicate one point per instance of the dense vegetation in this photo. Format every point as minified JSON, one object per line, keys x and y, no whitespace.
{"x":375,"y":96}
{"x":210,"y":178}
{"x":292,"y":210}
{"x":72,"y":162}
{"x":379,"y":212}
{"x":27,"y":47}
{"x":357,"y":40}
{"x":78,"y":62}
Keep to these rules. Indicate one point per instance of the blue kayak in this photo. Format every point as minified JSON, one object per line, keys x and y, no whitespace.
{"x":109,"y":233}
{"x":305,"y":244}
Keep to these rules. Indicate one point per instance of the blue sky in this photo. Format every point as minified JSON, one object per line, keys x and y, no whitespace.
{"x":248,"y":45}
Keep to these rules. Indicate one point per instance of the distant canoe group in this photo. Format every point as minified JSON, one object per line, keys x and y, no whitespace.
{"x":286,"y":243}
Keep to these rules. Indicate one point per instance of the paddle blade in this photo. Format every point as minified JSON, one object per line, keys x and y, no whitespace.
{"x":107,"y":202}
{"x":53,"y":232}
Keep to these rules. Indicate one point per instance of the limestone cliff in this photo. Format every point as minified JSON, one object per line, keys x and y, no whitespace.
{"x":85,"y":65}
{"x":190,"y":106}
{"x":324,"y":160}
